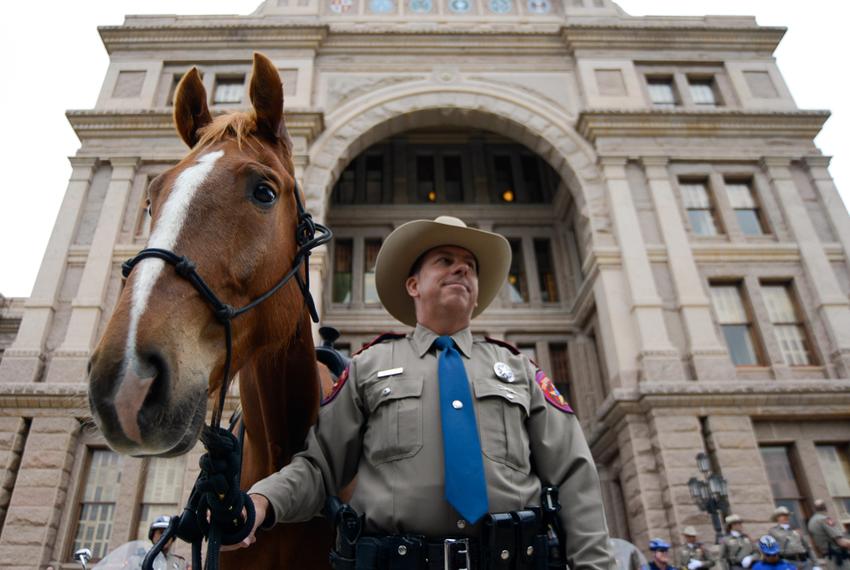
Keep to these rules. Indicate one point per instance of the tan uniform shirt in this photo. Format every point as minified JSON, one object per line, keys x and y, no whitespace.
{"x":824,"y":533}
{"x":687,"y":552}
{"x":792,"y":543}
{"x":733,"y":549}
{"x":385,"y":428}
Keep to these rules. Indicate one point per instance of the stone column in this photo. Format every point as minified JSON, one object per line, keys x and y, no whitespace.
{"x":318,"y":273}
{"x":23,"y":360}
{"x":40,"y":495}
{"x":707,"y":354}
{"x":640,"y":479}
{"x":659,"y":359}
{"x":678,"y":439}
{"x":830,"y":302}
{"x":13,"y":435}
{"x":69,"y":361}
{"x":736,"y":449}
{"x":835,"y":207}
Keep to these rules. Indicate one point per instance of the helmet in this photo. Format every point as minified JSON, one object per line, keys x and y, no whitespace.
{"x":768,"y":545}
{"x":160,"y":522}
{"x":656,"y":544}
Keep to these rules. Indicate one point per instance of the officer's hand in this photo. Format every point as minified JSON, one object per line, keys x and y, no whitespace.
{"x":747,"y":561}
{"x":693,"y":564}
{"x":261,"y":506}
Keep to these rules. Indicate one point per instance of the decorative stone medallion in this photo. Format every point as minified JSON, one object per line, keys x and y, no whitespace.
{"x":341,"y":6}
{"x":500,"y":6}
{"x":421,"y":6}
{"x":460,"y":6}
{"x":539,"y":6}
{"x":381,"y":6}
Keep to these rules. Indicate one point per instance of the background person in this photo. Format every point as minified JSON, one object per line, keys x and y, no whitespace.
{"x":736,"y":548}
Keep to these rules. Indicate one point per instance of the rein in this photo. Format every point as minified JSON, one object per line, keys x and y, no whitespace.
{"x":217,"y":488}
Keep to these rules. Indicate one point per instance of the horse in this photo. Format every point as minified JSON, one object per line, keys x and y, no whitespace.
{"x":231,"y":207}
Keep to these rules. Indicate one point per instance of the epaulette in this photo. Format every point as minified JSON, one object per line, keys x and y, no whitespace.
{"x":343,"y":378}
{"x":503,"y":344}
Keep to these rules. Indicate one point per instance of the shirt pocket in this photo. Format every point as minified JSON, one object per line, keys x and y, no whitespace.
{"x":502,"y":414}
{"x":394,"y":429}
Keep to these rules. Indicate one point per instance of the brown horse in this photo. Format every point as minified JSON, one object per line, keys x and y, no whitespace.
{"x":230,"y":207}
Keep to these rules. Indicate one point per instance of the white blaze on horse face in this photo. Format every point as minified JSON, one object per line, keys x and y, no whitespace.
{"x":164,"y":236}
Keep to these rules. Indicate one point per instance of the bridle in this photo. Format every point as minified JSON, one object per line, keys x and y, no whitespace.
{"x":217,"y":488}
{"x":306,"y":240}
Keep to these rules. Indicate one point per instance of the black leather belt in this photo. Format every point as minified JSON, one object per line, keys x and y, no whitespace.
{"x":417,"y":553}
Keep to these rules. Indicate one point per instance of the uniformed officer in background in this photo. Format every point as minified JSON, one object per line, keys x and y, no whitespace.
{"x":440,"y":427}
{"x":660,"y":558}
{"x":793,"y":546}
{"x":691,"y":554}
{"x":737,"y":549}
{"x":829,"y":539}
{"x":172,"y":561}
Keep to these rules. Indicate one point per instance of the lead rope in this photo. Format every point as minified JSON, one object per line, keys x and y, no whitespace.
{"x":216,"y":490}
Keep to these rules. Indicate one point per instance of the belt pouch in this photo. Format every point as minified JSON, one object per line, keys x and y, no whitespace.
{"x":500,"y":541}
{"x":366,"y":557}
{"x":526,"y":530}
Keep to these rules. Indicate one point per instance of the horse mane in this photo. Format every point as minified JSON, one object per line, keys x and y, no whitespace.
{"x":239,"y":125}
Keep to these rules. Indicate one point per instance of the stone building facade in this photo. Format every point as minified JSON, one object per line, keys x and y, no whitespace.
{"x":681,"y":252}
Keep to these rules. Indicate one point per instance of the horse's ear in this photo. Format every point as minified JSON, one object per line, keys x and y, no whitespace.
{"x":267,"y":97}
{"x":190,"y":107}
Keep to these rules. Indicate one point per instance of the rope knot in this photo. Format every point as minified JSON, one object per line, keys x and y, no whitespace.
{"x":127,"y":267}
{"x":184,"y":267}
{"x":225,"y":313}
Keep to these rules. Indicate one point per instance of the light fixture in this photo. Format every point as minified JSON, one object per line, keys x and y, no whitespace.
{"x":508,"y":195}
{"x":693,"y":487}
{"x":703,"y":462}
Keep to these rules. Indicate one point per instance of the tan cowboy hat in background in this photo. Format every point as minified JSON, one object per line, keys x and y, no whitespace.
{"x":733,"y":519}
{"x":689,"y":531}
{"x":780,"y":510}
{"x":407,"y":242}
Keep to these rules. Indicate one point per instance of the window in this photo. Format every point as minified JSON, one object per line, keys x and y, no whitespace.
{"x":370,"y":291}
{"x":703,"y":91}
{"x":504,"y":178}
{"x":346,"y":187}
{"x":97,"y":505}
{"x":374,"y":178}
{"x":699,"y":207}
{"x":835,"y":463}
{"x":787,"y":324}
{"x":735,"y":323}
{"x":517,"y":283}
{"x":545,"y":271}
{"x":661,"y":91}
{"x":161,"y":495}
{"x":453,"y":178}
{"x":746,"y":209}
{"x":172,"y":90}
{"x":560,"y":372}
{"x":366,"y":179}
{"x":229,"y":90}
{"x":343,"y":255}
{"x":426,"y":187}
{"x":783,"y":482}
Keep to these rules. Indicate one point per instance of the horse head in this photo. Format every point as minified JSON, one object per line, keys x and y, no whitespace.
{"x":230,"y":207}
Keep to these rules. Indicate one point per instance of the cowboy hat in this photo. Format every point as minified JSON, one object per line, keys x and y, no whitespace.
{"x":689,"y":531}
{"x":733,"y":519}
{"x":407,"y":242}
{"x":781,"y":510}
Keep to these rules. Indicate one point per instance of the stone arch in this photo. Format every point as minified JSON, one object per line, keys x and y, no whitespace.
{"x":534,"y":123}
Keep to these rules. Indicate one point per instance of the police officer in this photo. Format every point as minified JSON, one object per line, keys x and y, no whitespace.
{"x":737,"y":548}
{"x":691,"y":554}
{"x":793,"y":546}
{"x":172,"y":561}
{"x":660,"y":559}
{"x":441,"y":427}
{"x":771,"y":559}
{"x":829,"y":539}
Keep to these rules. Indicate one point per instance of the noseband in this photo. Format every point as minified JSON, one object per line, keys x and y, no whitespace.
{"x":307,"y":240}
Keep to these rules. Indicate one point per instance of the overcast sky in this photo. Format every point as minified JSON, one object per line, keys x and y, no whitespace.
{"x":53,"y":60}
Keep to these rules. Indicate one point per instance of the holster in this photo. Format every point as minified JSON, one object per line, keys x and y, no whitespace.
{"x":348,"y":525}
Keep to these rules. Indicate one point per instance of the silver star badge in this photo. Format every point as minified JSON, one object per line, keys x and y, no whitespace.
{"x":504,"y":372}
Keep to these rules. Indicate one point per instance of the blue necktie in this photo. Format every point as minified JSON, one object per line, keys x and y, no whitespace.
{"x":466,"y":488}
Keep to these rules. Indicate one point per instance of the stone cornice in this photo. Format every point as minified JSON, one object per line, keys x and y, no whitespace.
{"x":249,"y":34}
{"x":664,"y":36}
{"x":158,"y":123}
{"x":439,"y":40}
{"x":596,"y":124}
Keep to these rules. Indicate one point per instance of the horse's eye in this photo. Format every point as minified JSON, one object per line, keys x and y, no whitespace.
{"x":264,"y":194}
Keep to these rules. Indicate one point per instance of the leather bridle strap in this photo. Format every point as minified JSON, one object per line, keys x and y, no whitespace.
{"x":308,"y":236}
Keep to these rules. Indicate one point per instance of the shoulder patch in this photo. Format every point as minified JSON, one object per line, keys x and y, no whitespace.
{"x":503,"y":344}
{"x":340,"y":382}
{"x":343,"y":378}
{"x":550,"y":392}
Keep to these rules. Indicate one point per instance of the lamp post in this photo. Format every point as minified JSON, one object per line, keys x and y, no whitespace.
{"x":710,"y":494}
